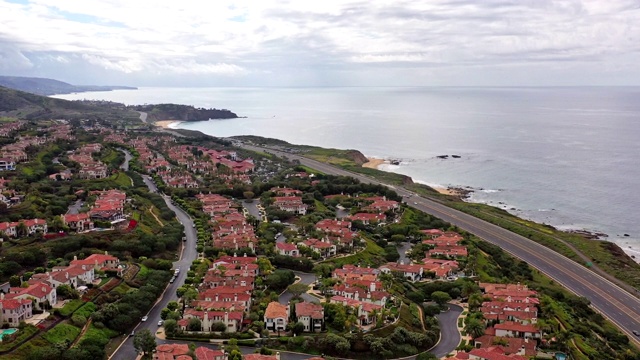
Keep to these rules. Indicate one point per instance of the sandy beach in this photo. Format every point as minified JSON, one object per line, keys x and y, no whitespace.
{"x":165,"y":124}
{"x":373,"y":163}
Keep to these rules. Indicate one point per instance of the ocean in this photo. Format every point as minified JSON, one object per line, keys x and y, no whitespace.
{"x":564,"y":156}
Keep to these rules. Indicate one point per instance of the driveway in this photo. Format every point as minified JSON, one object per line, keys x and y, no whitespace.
{"x":75,"y":207}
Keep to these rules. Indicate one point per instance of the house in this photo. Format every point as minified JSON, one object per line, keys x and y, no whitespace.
{"x":509,"y":345}
{"x":171,"y":352}
{"x":78,"y":222}
{"x":7,"y":164}
{"x":14,"y":311}
{"x":515,"y":329}
{"x":288,"y":249}
{"x":368,"y":218}
{"x":99,"y":262}
{"x":208,"y":319}
{"x":310,"y":315}
{"x":261,"y":357}
{"x":325,"y":249}
{"x":493,"y":353}
{"x":276,"y":316}
{"x":367,"y":313}
{"x":203,"y":353}
{"x":411,"y":272}
{"x":9,"y":229}
{"x":291,"y":204}
{"x":43,"y":294}
{"x":35,"y":226}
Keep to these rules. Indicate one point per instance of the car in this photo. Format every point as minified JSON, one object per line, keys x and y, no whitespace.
{"x":172,"y":280}
{"x":160,"y":323}
{"x":636,"y":332}
{"x":144,"y":318}
{"x":133,"y":333}
{"x":415,"y":203}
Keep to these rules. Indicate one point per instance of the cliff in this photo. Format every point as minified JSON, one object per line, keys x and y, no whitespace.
{"x":183,"y":112}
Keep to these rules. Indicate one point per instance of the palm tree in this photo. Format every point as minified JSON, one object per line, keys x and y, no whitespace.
{"x":475,"y":301}
{"x":474,"y":328}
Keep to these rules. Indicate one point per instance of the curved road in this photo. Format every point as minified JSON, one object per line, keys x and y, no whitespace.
{"x":449,"y":334}
{"x":619,"y":306}
{"x":189,"y":253}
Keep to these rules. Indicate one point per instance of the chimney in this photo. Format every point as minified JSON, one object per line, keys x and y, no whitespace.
{"x":75,"y":257}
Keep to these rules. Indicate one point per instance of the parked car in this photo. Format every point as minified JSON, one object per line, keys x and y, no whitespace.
{"x":636,"y":332}
{"x":132,"y":333}
{"x":160,"y":323}
{"x":145,"y":318}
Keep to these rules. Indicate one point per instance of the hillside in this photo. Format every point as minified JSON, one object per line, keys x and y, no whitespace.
{"x":44,"y":86}
{"x":183,"y":112}
{"x":24,"y":105}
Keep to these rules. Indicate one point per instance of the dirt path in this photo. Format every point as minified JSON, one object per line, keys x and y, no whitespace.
{"x":84,"y":330}
{"x":154,"y":215}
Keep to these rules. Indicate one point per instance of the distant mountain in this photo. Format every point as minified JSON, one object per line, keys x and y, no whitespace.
{"x":24,"y":105}
{"x":43,"y":86}
{"x":183,"y":112}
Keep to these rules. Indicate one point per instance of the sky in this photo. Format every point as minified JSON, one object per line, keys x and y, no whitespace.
{"x":323,"y":43}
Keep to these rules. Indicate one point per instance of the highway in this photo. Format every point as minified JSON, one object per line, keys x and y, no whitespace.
{"x":189,"y":253}
{"x":613,"y":302}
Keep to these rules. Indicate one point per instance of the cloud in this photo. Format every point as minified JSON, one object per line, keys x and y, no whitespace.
{"x":263,"y":42}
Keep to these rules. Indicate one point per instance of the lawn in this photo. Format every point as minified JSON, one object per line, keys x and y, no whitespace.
{"x":371,"y":255}
{"x":121,"y":179}
{"x":61,"y":333}
{"x":70,"y":307}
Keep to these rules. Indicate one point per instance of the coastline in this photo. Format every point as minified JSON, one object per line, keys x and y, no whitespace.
{"x":167,"y":124}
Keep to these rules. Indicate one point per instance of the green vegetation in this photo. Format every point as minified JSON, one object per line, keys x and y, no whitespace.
{"x":372,"y":255}
{"x":61,"y":334}
{"x":22,"y":334}
{"x":70,"y":307}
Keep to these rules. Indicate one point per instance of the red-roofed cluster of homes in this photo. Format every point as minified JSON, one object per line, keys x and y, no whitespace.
{"x":181,"y":352}
{"x":109,"y":205}
{"x":289,"y":200}
{"x":231,"y":231}
{"x":16,"y":152}
{"x":360,"y":288}
{"x":224,"y":295}
{"x":32,"y":226}
{"x":89,"y":167}
{"x":512,"y":317}
{"x":200,"y":160}
{"x":336,"y":235}
{"x":16,"y":305}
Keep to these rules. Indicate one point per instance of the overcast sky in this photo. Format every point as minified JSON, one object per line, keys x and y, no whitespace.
{"x":322,"y":42}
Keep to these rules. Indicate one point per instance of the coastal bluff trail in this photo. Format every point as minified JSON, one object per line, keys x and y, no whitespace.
{"x":609,"y":299}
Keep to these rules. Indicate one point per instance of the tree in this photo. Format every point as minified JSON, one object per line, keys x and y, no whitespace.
{"x":66,"y":292}
{"x":474,"y":328}
{"x":440,"y":297}
{"x":298,"y":328}
{"x":426,"y":356}
{"x":475,"y":301}
{"x":298,"y":289}
{"x":170,"y":327}
{"x":173,"y":305}
{"x":194,"y":324}
{"x":248,"y":195}
{"x":144,"y":342}
{"x":14,"y":281}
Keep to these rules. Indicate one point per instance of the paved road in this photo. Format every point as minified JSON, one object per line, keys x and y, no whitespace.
{"x":402,"y":250}
{"x":619,"y":306}
{"x":305,"y":278}
{"x":449,"y":334}
{"x":189,"y":253}
{"x":127,"y":159}
{"x":252,"y":208}
{"x":75,"y":207}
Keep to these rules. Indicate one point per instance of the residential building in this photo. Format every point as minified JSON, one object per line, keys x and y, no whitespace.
{"x":310,"y":315}
{"x":276,"y":316}
{"x":288,"y":249}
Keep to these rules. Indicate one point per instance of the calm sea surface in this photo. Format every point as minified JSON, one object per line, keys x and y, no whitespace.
{"x":569,"y":157}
